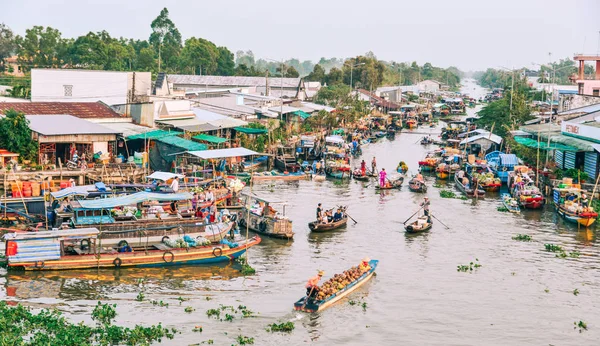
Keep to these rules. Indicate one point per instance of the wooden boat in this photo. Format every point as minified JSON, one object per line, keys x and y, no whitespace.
{"x":83,"y":249}
{"x":426,"y":141}
{"x":422,"y":224}
{"x":337,"y":172}
{"x":260,"y":217}
{"x":317,"y":226}
{"x":570,"y":209}
{"x":510,"y":203}
{"x":391,"y":132}
{"x":286,"y":161}
{"x":253,"y":164}
{"x":469,"y":192}
{"x":280,"y":176}
{"x":501,"y":164}
{"x":310,"y":305}
{"x":393,"y":184}
{"x":402,"y":167}
{"x":357,"y":175}
{"x":415,"y":185}
{"x":442,"y":171}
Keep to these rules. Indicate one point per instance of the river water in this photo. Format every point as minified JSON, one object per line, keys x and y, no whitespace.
{"x":522,"y":295}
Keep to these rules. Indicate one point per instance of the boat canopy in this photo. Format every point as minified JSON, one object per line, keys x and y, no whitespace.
{"x":251,"y":131}
{"x":334,"y":139}
{"x":135,"y":198}
{"x":82,"y":190}
{"x":62,"y":233}
{"x":222,"y":153}
{"x":164,"y":176}
{"x":508,"y":160}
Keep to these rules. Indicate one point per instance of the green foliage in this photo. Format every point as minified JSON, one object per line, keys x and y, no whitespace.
{"x":7,"y":44}
{"x":493,"y":78}
{"x":245,"y":340}
{"x":553,"y":248}
{"x":281,"y":327}
{"x":189,"y":309}
{"x":469,"y":267}
{"x":522,"y":237}
{"x":447,"y":194}
{"x":216,"y":313}
{"x":140,"y":297}
{"x":166,"y":40}
{"x":502,"y":209}
{"x":199,"y":56}
{"x":41,"y":47}
{"x":581,"y":325}
{"x":575,"y":292}
{"x":17,"y":135}
{"x":19,"y":326}
{"x":576,"y":174}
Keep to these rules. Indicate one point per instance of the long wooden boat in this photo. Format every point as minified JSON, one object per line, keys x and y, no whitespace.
{"x":394,"y":184}
{"x":469,"y":192}
{"x":422,"y":224}
{"x":415,"y":185}
{"x":280,"y":176}
{"x":310,"y":305}
{"x":261,"y":218}
{"x":357,"y":175}
{"x":255,"y":163}
{"x":63,"y":250}
{"x":528,"y":196}
{"x":316,"y":226}
{"x":510,"y":203}
{"x":570,"y":210}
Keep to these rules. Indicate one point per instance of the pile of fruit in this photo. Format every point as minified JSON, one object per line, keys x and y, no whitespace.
{"x":338,"y":282}
{"x":487,"y":178}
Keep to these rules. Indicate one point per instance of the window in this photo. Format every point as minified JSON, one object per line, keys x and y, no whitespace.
{"x":68,"y":90}
{"x":596,"y":92}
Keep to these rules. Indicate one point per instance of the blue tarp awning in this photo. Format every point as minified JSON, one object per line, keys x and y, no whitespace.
{"x":108,"y":203}
{"x":508,"y":160}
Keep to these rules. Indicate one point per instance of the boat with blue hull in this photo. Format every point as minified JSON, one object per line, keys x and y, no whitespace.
{"x":502,"y":164}
{"x":310,"y":305}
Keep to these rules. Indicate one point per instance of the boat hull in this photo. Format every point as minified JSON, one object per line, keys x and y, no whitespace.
{"x":413,"y":228}
{"x":302,"y":305}
{"x":140,"y":259}
{"x":584,"y":221}
{"x":442,"y":175}
{"x":320,"y":227}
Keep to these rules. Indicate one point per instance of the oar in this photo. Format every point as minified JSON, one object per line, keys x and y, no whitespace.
{"x":351,"y":218}
{"x":308,"y":296}
{"x":440,"y":221}
{"x":404,"y":223}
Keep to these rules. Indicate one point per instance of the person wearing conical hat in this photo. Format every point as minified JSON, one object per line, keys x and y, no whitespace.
{"x":312,"y":286}
{"x":364,"y":265}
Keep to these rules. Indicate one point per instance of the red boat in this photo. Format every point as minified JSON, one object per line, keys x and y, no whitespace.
{"x":491,"y":186}
{"x":528,"y":196}
{"x":533,"y":202}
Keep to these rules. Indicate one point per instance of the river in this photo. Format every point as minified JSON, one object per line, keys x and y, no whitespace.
{"x":521,"y":295}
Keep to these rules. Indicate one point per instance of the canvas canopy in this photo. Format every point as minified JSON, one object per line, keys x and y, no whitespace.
{"x":531,"y":143}
{"x":210,"y":139}
{"x":222,"y":153}
{"x":164,"y":176}
{"x":155,"y":134}
{"x":251,"y":131}
{"x":135,"y":198}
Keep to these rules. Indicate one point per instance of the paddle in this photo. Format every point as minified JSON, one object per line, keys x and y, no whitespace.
{"x":404,"y":223}
{"x":440,"y":221}
{"x":351,"y":218}
{"x":307,"y":297}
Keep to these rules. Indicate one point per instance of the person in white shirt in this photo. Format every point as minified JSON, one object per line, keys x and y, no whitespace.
{"x":175,"y":184}
{"x":209,"y":195}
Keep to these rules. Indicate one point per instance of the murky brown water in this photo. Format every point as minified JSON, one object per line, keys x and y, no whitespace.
{"x":522,"y":295}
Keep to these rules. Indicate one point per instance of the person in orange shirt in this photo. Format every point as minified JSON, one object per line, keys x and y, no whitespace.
{"x":312,"y":286}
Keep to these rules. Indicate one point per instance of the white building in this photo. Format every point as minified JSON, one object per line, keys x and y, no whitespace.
{"x":429,"y":86}
{"x":110,"y":87}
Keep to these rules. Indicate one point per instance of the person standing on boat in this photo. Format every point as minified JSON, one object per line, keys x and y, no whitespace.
{"x":584,"y":201}
{"x":175,"y":184}
{"x":425,"y":206}
{"x":319,"y":212}
{"x":363,"y":168}
{"x":194,"y":201}
{"x":382,"y":176}
{"x":373,"y":165}
{"x":209,"y":195}
{"x":312,"y":286}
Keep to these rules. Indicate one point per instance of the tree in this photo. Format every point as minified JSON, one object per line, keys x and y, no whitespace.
{"x":199,"y":56}
{"x":166,"y":39}
{"x":244,"y":58}
{"x":7,"y":44}
{"x":317,"y":74}
{"x":41,"y":47}
{"x":145,"y":60}
{"x":17,"y":135}
{"x":225,"y":63}
{"x":334,"y":77}
{"x":291,"y":72}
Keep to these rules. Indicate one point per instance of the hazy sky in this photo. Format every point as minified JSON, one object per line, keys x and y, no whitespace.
{"x":471,"y":35}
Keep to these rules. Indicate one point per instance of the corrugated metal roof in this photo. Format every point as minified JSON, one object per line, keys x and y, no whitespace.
{"x":154,"y":134}
{"x":491,"y":137}
{"x":317,"y":107}
{"x":584,"y":110}
{"x":222,"y":153}
{"x":508,"y":159}
{"x":77,"y":109}
{"x":283,"y":110}
{"x":127,"y":129}
{"x":63,"y":124}
{"x":233,"y":81}
{"x":164,"y":176}
{"x":182,"y":143}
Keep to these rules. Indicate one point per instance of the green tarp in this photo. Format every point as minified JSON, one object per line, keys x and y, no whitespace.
{"x":302,"y":114}
{"x":531,"y":143}
{"x":250,"y":131}
{"x":155,"y":134}
{"x":210,"y":139}
{"x":181,"y":143}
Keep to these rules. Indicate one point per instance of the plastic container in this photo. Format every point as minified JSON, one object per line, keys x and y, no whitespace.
{"x":36,"y":190}
{"x":568,"y":181}
{"x":27,"y":193}
{"x":64,"y":184}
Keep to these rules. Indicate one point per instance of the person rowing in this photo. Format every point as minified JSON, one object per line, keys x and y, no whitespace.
{"x":382,"y":177}
{"x":425,"y":206}
{"x":312,"y":286}
{"x":364,"y":265}
{"x":363,"y":168}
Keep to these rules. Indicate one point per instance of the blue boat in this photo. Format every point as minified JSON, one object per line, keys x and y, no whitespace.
{"x":320,"y":305}
{"x":502,"y":164}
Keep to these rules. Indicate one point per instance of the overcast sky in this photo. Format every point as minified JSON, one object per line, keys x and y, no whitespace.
{"x":471,"y":35}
